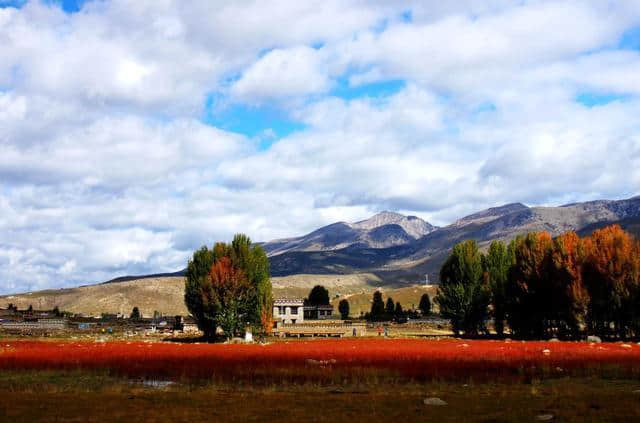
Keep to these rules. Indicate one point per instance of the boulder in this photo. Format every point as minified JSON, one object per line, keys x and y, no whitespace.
{"x":594,"y":339}
{"x":434,"y":401}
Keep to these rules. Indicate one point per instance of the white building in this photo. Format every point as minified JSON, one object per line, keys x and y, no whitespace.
{"x":288,"y":311}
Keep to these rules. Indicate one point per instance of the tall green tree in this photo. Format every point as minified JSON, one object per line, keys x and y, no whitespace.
{"x":254,"y":263}
{"x":377,"y":307}
{"x":398,"y":312}
{"x":390,"y":307}
{"x":496,"y":265}
{"x":425,"y":304}
{"x":319,"y":295}
{"x":463,"y":296}
{"x":529,"y":289}
{"x":343,"y":308}
{"x":196,"y":277}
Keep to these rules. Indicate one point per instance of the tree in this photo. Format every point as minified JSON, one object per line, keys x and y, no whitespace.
{"x":398,"y":313}
{"x":227,"y":293}
{"x":30,"y":309}
{"x":463,"y":296}
{"x":197,"y":276}
{"x":135,"y":314}
{"x":377,"y":307}
{"x":319,"y":295}
{"x":253,"y":261}
{"x":425,"y":304}
{"x":612,"y":277}
{"x":529,"y":289}
{"x":343,"y":308}
{"x":496,"y":265}
{"x":56,"y":312}
{"x":570,"y":296}
{"x":390,"y":308}
{"x":256,"y":307}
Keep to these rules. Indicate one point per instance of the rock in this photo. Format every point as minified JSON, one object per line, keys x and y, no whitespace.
{"x":594,"y":339}
{"x":554,"y":340}
{"x":434,"y":401}
{"x":545,"y":417}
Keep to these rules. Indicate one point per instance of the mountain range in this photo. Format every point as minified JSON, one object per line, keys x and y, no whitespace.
{"x":400,"y":249}
{"x":406,"y":248}
{"x":352,"y":259}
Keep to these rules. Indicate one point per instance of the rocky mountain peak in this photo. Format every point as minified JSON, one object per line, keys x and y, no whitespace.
{"x":380,"y":219}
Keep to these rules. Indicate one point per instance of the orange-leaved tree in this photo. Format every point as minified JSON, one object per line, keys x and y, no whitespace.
{"x":226,"y":294}
{"x":570,"y":298}
{"x":611,"y":275}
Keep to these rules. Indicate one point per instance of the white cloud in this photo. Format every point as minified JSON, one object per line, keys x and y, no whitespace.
{"x":283,"y":74}
{"x":108,"y":169}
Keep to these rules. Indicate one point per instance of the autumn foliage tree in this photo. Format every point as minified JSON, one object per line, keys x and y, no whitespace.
{"x":612,"y":277}
{"x":226,"y":294}
{"x":542,"y":286}
{"x":254,"y":306}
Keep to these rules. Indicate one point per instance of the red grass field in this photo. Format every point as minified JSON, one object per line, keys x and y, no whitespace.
{"x":330,"y":361}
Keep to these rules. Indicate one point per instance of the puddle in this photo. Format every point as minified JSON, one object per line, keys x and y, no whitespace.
{"x":152,"y":383}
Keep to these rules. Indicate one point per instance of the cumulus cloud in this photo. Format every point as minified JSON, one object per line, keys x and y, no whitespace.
{"x":108,"y":166}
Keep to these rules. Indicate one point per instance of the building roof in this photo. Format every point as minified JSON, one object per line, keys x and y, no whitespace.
{"x":288,"y":301}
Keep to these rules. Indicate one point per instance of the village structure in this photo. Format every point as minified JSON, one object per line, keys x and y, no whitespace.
{"x":291,"y":318}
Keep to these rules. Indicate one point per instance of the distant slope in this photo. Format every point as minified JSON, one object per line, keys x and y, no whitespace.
{"x":166,"y":294}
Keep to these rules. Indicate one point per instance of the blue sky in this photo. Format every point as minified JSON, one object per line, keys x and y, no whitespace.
{"x":133,"y":133}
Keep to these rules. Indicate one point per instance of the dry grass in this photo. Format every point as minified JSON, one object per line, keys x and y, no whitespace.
{"x":46,"y":397}
{"x":167,"y":294}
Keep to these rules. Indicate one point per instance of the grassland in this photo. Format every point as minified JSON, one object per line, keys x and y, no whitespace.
{"x":321,"y":380}
{"x":167,"y":294}
{"x":89,"y":397}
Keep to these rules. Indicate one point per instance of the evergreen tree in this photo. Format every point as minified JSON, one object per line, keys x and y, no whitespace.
{"x":390,"y":308}
{"x":343,"y":308}
{"x":398,"y":313}
{"x":425,"y":304}
{"x":319,"y":295}
{"x":377,"y":307}
{"x":135,"y":314}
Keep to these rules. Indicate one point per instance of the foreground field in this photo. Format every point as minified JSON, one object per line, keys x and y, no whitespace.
{"x":320,"y":380}
{"x":82,"y":397}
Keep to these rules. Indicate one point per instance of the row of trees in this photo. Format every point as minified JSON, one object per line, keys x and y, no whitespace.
{"x":381,"y":311}
{"x":542,"y":286}
{"x":229,"y":286}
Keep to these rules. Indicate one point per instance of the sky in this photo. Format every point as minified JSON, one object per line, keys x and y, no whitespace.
{"x":131,"y":133}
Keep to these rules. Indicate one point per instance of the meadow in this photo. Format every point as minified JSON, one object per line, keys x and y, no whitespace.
{"x":319,"y":380}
